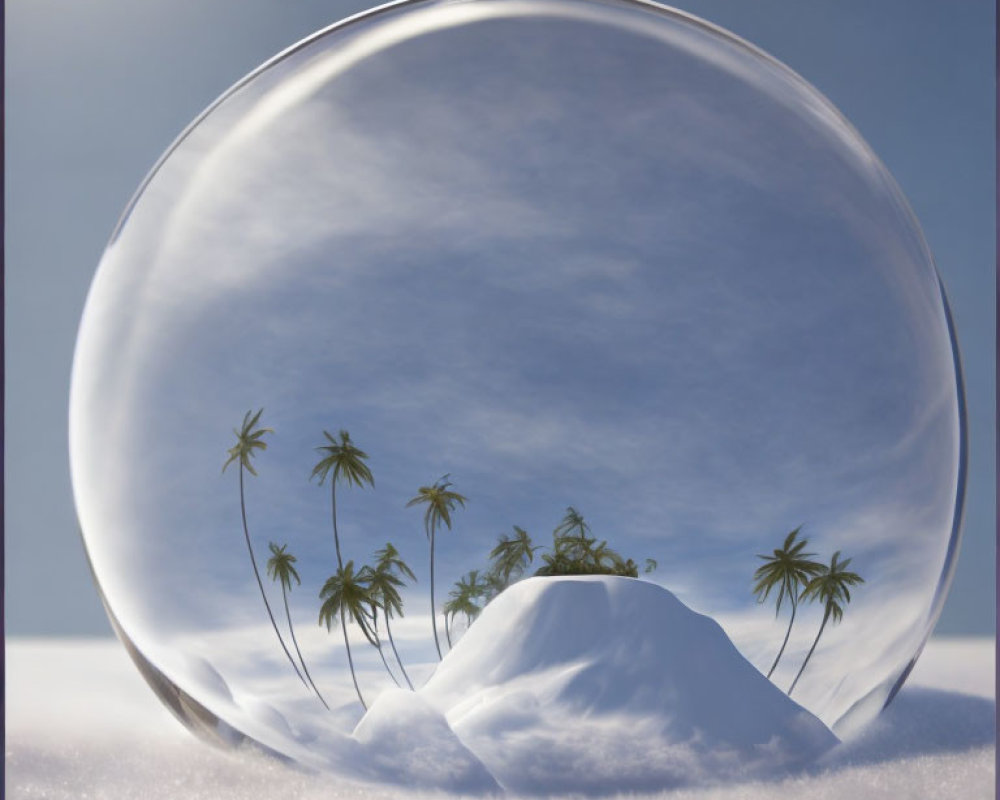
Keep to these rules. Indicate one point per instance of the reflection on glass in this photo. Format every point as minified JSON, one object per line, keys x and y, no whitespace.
{"x":468,"y":269}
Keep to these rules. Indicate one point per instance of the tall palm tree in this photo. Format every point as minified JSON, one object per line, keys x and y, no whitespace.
{"x":347,"y":463}
{"x":829,"y":587}
{"x":388,"y":563}
{"x":788,"y":569}
{"x":280,"y":567}
{"x":383,"y":586}
{"x":440,"y":500}
{"x":345,"y":594}
{"x":248,"y":439}
{"x":367,"y":575}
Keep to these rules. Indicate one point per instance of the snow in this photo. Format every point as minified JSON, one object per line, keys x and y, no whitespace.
{"x":80,"y":721}
{"x":601,"y":684}
{"x":408,"y":742}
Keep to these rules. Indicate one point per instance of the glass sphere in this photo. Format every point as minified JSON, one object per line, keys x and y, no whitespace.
{"x":593,"y":255}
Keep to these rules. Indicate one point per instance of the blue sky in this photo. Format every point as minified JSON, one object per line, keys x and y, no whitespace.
{"x":105,"y":144}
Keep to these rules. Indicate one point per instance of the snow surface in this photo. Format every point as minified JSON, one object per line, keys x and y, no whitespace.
{"x":81,"y":722}
{"x":410,"y":743}
{"x":606,"y":684}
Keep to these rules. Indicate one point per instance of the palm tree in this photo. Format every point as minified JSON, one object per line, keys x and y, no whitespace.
{"x":628,"y":568}
{"x":345,"y":594}
{"x":280,"y":568}
{"x":248,"y":439}
{"x":493,"y":583}
{"x":462,"y":600}
{"x":440,"y":500}
{"x":606,"y":559}
{"x":571,"y":544}
{"x":448,"y":609}
{"x":554,"y":563}
{"x":347,"y":463}
{"x":460,"y":605}
{"x":651,"y":565}
{"x":470,"y":585}
{"x":790,"y":570}
{"x":572,"y":526}
{"x":513,"y":555}
{"x":388,"y":563}
{"x":830,"y":587}
{"x":367,"y":575}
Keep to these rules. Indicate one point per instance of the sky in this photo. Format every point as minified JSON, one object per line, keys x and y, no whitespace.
{"x":88,"y":113}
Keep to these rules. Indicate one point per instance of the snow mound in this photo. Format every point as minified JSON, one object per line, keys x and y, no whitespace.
{"x":406,"y":741}
{"x":604,"y":684}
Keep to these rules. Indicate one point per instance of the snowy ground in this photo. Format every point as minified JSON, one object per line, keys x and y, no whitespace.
{"x":80,"y":722}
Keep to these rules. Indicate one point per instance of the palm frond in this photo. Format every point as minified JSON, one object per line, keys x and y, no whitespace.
{"x":788,"y":569}
{"x":343,"y":461}
{"x":247,"y":440}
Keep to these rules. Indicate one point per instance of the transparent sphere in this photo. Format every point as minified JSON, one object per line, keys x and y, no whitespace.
{"x":567,"y":253}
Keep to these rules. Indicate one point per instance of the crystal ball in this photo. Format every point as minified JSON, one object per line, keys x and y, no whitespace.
{"x":447,"y":276}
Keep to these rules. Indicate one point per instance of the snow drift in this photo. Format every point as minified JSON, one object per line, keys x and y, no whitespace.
{"x":605,"y":684}
{"x":97,"y":730}
{"x":407,"y":742}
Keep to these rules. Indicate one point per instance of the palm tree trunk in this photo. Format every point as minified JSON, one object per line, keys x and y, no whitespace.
{"x":787,"y":634}
{"x":350,"y":661}
{"x":333,"y":506}
{"x":260,"y":583}
{"x":434,"y":624}
{"x":399,"y":661}
{"x":291,"y":630}
{"x":826,"y":616}
{"x":447,"y":631}
{"x":382,"y":656}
